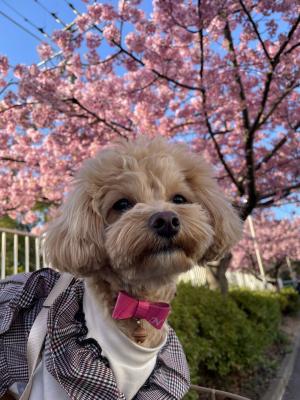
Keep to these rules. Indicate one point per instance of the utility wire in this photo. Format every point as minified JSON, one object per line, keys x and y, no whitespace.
{"x":59,"y":21}
{"x":20,"y":26}
{"x":53,"y":14}
{"x":59,"y":53}
{"x":78,"y":13}
{"x":75,"y":11}
{"x":41,"y":30}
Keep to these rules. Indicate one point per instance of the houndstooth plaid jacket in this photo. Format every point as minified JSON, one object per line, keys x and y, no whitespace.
{"x":75,"y":362}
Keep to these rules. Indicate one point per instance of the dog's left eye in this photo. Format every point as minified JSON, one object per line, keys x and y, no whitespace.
{"x":179,"y":199}
{"x":122,"y":205}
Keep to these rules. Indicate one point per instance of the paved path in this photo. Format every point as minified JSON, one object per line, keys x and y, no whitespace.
{"x":292,"y":391}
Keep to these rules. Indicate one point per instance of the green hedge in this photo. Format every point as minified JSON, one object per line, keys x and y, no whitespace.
{"x":288,"y":300}
{"x":224,"y":336}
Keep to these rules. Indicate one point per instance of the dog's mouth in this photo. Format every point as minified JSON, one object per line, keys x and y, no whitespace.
{"x":163,"y":261}
{"x":168,"y":249}
{"x":164,"y":249}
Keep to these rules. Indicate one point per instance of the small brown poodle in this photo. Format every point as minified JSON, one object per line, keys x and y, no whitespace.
{"x":140,"y":214}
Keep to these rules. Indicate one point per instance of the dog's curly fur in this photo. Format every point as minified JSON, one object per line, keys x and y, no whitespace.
{"x":118,"y":250}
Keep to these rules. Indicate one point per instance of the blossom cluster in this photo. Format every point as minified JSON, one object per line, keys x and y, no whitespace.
{"x":223,"y":76}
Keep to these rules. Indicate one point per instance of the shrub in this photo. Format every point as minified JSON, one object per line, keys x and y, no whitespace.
{"x":223,"y":336}
{"x":289,"y":300}
{"x":263,"y":310}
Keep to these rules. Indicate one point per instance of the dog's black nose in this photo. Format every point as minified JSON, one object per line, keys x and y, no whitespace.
{"x":165,"y":224}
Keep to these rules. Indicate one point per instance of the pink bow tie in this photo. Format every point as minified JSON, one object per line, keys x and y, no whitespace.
{"x":128,"y":307}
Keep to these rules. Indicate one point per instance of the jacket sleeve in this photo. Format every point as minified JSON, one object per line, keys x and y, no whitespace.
{"x":21,"y":298}
{"x":10,"y":291}
{"x":170,"y":379}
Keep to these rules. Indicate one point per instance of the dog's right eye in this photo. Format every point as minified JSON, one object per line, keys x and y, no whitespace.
{"x":179,"y":199}
{"x":122,"y":205}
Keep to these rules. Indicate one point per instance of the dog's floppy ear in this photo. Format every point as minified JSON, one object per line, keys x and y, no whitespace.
{"x":224,"y":219}
{"x":74,"y":240}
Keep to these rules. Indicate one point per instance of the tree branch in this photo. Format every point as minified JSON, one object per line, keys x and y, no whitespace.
{"x":207,"y":121}
{"x":9,"y":159}
{"x":18,"y":105}
{"x":292,"y":48}
{"x":249,"y":135}
{"x":284,"y":193}
{"x":238,"y":79}
{"x":291,"y":87}
{"x":177,"y":22}
{"x":277,"y":56}
{"x":7,"y":86}
{"x":258,"y":122}
{"x":281,"y":164}
{"x":268,"y":156}
{"x":251,"y":20}
{"x":112,"y":125}
{"x":274,"y":62}
{"x":139,"y":61}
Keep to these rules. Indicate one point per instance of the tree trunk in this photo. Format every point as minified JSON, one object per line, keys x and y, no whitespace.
{"x":216,"y":270}
{"x":216,"y":273}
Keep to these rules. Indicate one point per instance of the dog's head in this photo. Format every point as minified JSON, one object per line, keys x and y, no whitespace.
{"x":147,"y":210}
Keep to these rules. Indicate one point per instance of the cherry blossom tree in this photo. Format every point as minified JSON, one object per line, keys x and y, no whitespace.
{"x":276,"y":240}
{"x":223,"y":75}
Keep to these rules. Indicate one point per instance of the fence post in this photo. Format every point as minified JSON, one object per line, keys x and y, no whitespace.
{"x":27,"y":250}
{"x":15,"y":254}
{"x":3,"y":254}
{"x":10,"y":256}
{"x":37,"y":253}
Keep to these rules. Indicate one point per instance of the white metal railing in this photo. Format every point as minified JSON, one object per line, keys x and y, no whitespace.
{"x":197,"y":276}
{"x":249,"y":281}
{"x":21,"y":241}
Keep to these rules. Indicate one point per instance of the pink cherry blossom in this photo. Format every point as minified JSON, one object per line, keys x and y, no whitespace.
{"x":224,"y":76}
{"x":45,"y":51}
{"x":111,"y":33}
{"x":276,"y":240}
{"x":4,"y":67}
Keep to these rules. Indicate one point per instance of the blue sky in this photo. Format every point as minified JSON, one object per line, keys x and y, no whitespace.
{"x":20,"y":46}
